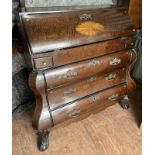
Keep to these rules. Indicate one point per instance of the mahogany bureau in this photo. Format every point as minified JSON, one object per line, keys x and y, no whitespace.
{"x":80,"y":62}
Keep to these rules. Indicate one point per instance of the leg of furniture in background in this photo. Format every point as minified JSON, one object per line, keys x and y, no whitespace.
{"x":137,"y":70}
{"x":136,"y":97}
{"x":136,"y":103}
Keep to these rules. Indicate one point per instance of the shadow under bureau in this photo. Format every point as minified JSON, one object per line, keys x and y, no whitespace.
{"x":80,"y":62}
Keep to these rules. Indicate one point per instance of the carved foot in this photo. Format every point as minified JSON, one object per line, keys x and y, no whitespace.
{"x":125,"y":102}
{"x":43,"y":141}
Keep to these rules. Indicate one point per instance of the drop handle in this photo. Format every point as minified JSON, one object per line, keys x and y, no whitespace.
{"x":94,"y":62}
{"x":91,"y":79}
{"x":68,"y":74}
{"x":115,"y":61}
{"x":94,"y":98}
{"x":113,"y":97}
{"x":74,"y":113}
{"x":69,"y":91}
{"x":111,"y":77}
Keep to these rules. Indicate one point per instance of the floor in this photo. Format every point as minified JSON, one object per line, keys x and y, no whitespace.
{"x":114,"y":131}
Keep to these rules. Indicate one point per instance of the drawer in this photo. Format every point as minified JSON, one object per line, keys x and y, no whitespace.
{"x":87,"y":104}
{"x":62,"y":57}
{"x":42,"y":63}
{"x":80,"y":70}
{"x":63,"y":95}
{"x":130,"y":42}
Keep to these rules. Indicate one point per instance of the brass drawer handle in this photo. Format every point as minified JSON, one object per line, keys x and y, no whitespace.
{"x":94,"y":63}
{"x":111,"y":77}
{"x":70,"y":90}
{"x":70,"y":73}
{"x":115,"y":61}
{"x":85,"y":16}
{"x":74,"y":113}
{"x":94,"y":98}
{"x":113,"y":97}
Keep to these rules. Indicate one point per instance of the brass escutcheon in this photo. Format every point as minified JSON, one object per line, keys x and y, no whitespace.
{"x":85,"y":16}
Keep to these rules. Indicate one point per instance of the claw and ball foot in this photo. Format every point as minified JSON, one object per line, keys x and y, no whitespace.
{"x":125,"y":102}
{"x":43,"y":140}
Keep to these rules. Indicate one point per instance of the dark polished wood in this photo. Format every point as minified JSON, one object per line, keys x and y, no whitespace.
{"x":42,"y":119}
{"x":77,"y":71}
{"x":89,"y":51}
{"x":66,"y":56}
{"x":80,"y":62}
{"x":44,"y":62}
{"x":89,"y":103}
{"x":51,"y":31}
{"x":131,"y":42}
{"x":63,"y":95}
{"x":131,"y":85}
{"x":85,"y":115}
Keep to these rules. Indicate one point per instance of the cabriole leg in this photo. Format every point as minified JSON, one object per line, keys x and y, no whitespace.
{"x":125,"y":102}
{"x":43,"y":140}
{"x":42,"y":120}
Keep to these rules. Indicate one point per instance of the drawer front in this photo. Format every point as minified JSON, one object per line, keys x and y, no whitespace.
{"x":87,"y":104}
{"x":62,"y":57}
{"x":63,"y":95}
{"x":42,"y":63}
{"x":76,"y":71}
{"x":131,"y":42}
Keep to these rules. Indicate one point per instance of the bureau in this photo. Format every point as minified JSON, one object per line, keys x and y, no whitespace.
{"x":79,"y":61}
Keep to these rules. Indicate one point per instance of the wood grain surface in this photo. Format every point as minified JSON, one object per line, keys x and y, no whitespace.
{"x":71,"y":55}
{"x":135,"y":12}
{"x":88,"y":104}
{"x":63,"y":95}
{"x":84,"y":69}
{"x":113,"y":131}
{"x":51,"y":31}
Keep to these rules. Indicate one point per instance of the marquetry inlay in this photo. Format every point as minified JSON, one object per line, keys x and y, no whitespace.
{"x":89,"y":28}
